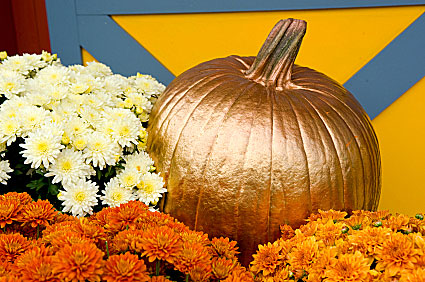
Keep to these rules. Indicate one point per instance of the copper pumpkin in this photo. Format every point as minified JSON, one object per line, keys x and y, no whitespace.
{"x":247,"y":144}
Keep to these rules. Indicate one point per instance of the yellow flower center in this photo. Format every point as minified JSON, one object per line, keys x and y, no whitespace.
{"x":42,"y":147}
{"x":97,"y":146}
{"x":124,"y":131}
{"x":9,"y":86}
{"x":128,"y":180}
{"x":117,"y":196}
{"x":80,"y":144}
{"x":80,"y":196}
{"x":66,"y":166}
{"x":148,"y":187}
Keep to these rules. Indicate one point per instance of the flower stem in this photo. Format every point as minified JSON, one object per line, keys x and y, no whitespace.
{"x":157,"y":267}
{"x":187,"y":277}
{"x":38,"y":231}
{"x":107,"y":249}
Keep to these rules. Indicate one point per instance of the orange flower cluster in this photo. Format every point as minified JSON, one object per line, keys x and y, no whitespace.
{"x":125,"y":243}
{"x":332,"y":247}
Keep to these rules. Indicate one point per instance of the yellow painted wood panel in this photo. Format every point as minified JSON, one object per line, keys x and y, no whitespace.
{"x":338,"y":42}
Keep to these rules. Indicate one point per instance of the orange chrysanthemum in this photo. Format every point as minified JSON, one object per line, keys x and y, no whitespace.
{"x":200,"y":273}
{"x":368,"y":240}
{"x":398,"y":222}
{"x":39,"y":269}
{"x":303,"y":255}
{"x":10,"y":278}
{"x":308,"y":229}
{"x":191,"y":255}
{"x":161,"y":243}
{"x":396,"y":254}
{"x":329,"y":232}
{"x":267,"y":259}
{"x":31,"y":254}
{"x":91,"y":230}
{"x":5,"y":267}
{"x":332,"y":215}
{"x":287,"y":232}
{"x":378,"y":215}
{"x":348,"y":268}
{"x":60,"y":239}
{"x":23,"y":198}
{"x":9,"y":210}
{"x":223,"y":247}
{"x":358,"y":221}
{"x":127,"y":240}
{"x":126,"y":215}
{"x":41,"y":212}
{"x":78,"y":262}
{"x":195,"y":237}
{"x":125,"y":268}
{"x":222,"y":267}
{"x":240,"y":274}
{"x":416,"y":275}
{"x":159,"y":278}
{"x":12,"y":246}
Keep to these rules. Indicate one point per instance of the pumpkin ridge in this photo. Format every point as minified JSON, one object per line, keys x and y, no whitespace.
{"x":238,"y":194}
{"x":359,"y":152}
{"x":282,"y":124}
{"x":201,"y":82}
{"x":175,"y":146}
{"x":269,"y":237}
{"x":369,"y":138}
{"x":334,"y":146}
{"x":211,"y":150}
{"x":302,"y":145}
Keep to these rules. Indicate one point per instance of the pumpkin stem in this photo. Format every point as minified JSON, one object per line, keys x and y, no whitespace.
{"x":273,"y":64}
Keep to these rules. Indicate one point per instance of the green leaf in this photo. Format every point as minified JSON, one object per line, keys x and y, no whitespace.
{"x":53,"y":189}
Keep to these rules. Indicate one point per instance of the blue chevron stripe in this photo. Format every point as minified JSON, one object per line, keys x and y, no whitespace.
{"x":113,"y":7}
{"x":106,"y":40}
{"x":392,"y":72}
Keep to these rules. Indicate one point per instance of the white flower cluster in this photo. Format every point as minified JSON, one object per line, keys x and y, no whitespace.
{"x":71,"y":120}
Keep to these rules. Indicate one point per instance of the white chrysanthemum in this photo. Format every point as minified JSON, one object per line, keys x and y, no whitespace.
{"x":75,"y":126}
{"x":90,"y":115}
{"x":98,"y":69}
{"x":4,"y":170}
{"x":31,"y":117}
{"x":115,"y":84}
{"x":11,"y":83}
{"x":24,"y":64}
{"x":129,"y":178}
{"x":101,"y":150}
{"x":139,"y":161}
{"x":139,"y":100}
{"x":115,"y":194}
{"x":41,"y":147}
{"x":148,"y":85}
{"x":9,"y":129}
{"x":151,"y":188}
{"x":79,"y":197}
{"x":11,"y":107}
{"x":126,"y":131}
{"x":68,"y":167}
{"x":54,"y":75}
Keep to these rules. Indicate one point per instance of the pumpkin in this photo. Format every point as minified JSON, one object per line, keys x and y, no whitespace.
{"x":247,"y":144}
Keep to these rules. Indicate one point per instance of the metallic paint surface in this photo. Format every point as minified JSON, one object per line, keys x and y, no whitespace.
{"x":241,"y":155}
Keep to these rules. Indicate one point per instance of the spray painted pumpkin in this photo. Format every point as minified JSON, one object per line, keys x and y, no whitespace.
{"x":249,"y":143}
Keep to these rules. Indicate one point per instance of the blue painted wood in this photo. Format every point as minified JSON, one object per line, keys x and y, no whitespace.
{"x":113,"y":7}
{"x":392,"y":72}
{"x":63,"y":30}
{"x":106,"y":40}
